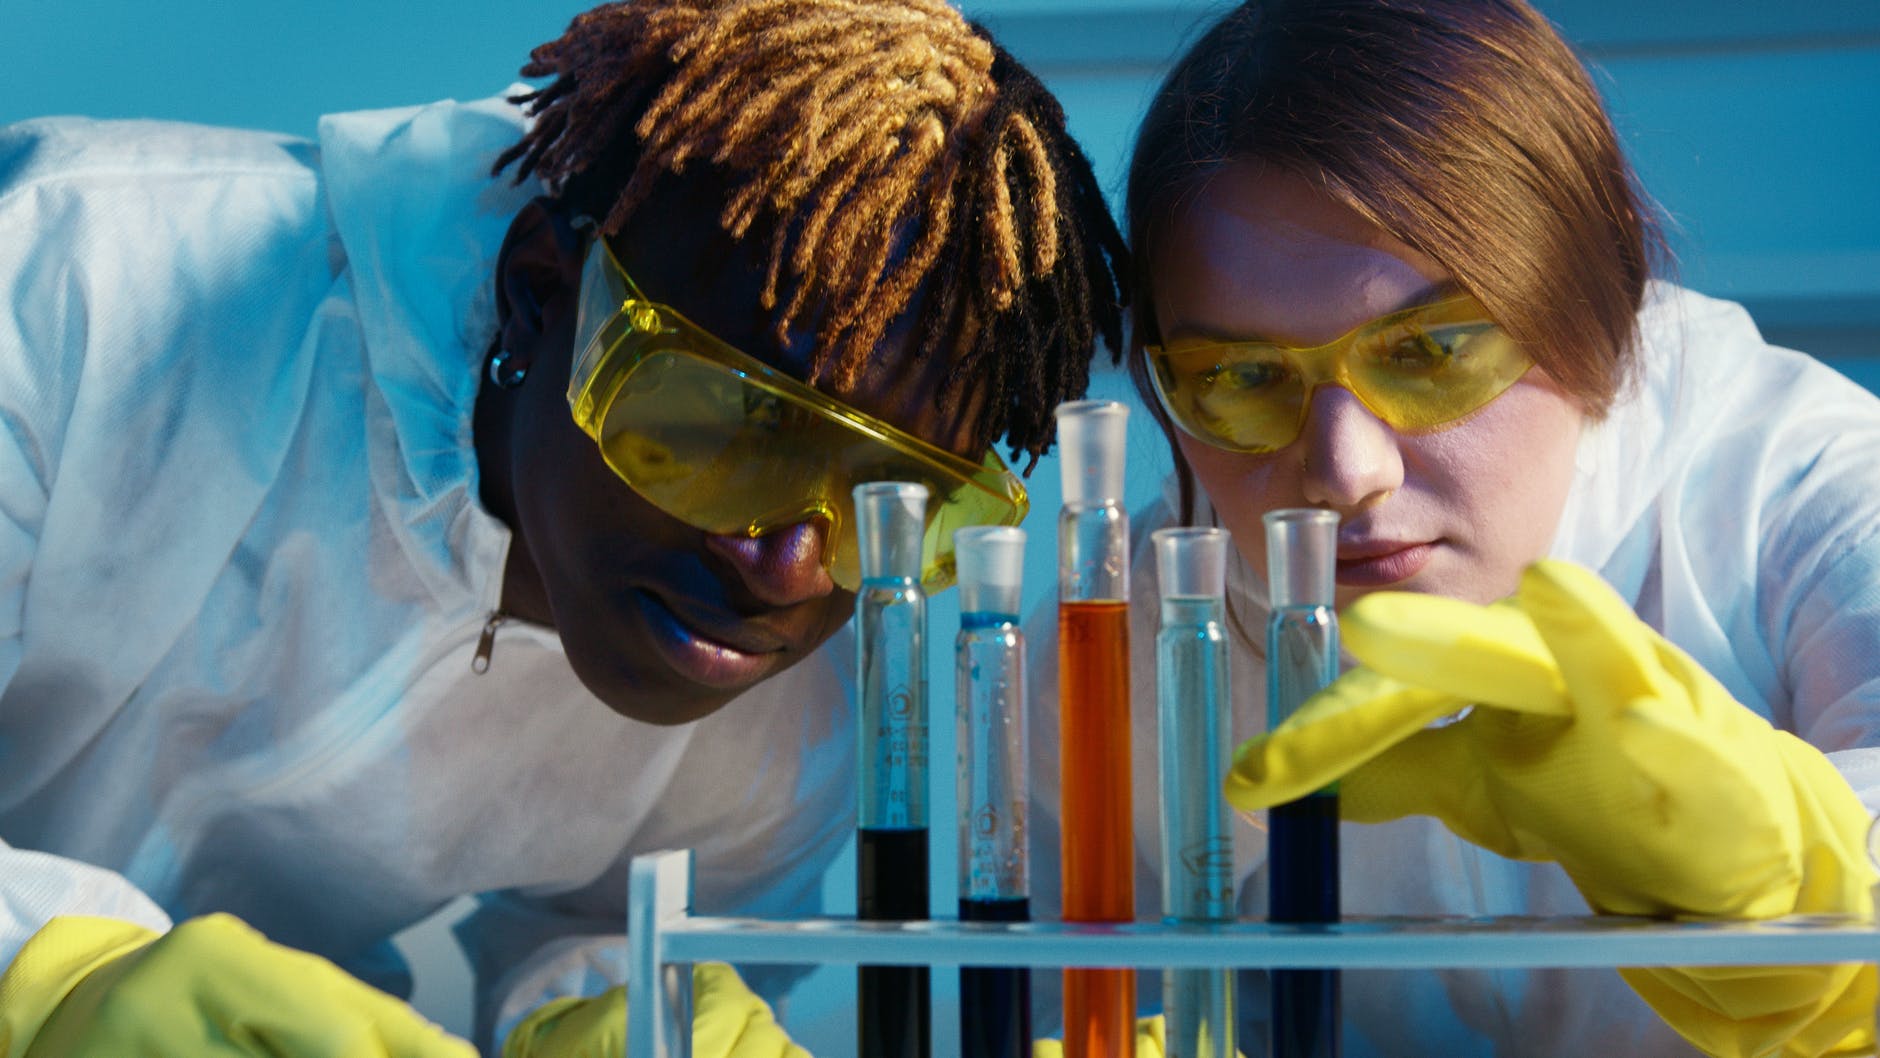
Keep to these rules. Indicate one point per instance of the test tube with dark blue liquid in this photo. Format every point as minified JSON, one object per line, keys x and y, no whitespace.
{"x":995,"y":867}
{"x":892,"y":1002}
{"x":1302,"y":835}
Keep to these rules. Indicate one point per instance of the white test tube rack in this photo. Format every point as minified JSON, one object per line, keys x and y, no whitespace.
{"x":664,"y":939}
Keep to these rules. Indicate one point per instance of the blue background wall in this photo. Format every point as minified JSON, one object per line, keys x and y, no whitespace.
{"x":1756,"y":126}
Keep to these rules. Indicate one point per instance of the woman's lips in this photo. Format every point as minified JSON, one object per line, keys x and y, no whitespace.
{"x":1381,"y":564}
{"x":700,"y":658}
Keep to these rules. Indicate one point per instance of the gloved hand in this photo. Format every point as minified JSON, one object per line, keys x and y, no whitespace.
{"x":1151,"y":1039}
{"x":1595,"y":743}
{"x":728,"y":1021}
{"x":209,"y":988}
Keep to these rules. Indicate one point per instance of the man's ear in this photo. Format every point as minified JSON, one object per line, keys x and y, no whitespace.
{"x":540,"y":262}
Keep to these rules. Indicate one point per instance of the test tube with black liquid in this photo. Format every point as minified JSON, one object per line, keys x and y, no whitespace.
{"x":893,"y":1013}
{"x":1302,"y":835}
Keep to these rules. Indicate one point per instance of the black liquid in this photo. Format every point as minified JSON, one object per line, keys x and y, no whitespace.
{"x":1302,"y":867}
{"x":995,"y":1003}
{"x":1302,"y":857}
{"x":893,"y":1015}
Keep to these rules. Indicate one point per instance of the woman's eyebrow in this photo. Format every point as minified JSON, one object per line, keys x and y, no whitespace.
{"x":1441,"y":290}
{"x":1430,"y":294}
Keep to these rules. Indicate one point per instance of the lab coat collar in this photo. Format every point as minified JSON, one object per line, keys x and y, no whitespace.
{"x":421,"y":222}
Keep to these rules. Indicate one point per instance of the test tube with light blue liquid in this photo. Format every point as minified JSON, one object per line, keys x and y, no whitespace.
{"x":893,"y":1013}
{"x":1302,"y":835}
{"x":1192,"y":709}
{"x":993,"y":785}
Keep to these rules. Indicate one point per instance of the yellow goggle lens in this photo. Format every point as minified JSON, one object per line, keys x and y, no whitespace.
{"x":729,"y":445}
{"x":1415,"y":370}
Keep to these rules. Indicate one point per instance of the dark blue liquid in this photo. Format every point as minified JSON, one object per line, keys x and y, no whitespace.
{"x":1303,"y":871}
{"x":995,"y":1003}
{"x":893,"y":1016}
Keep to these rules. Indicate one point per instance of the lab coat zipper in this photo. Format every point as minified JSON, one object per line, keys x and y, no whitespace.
{"x":486,"y":642}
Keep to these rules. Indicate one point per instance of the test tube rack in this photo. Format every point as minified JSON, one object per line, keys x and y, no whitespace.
{"x":664,"y":939}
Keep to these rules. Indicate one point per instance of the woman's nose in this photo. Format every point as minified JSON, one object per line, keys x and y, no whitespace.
{"x":1349,"y":458}
{"x":783,"y":566}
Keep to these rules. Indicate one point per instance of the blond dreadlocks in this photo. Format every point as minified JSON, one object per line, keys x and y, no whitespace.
{"x":880,"y":144}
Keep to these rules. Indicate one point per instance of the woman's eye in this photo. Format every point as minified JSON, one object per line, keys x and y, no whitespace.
{"x":763,"y":410}
{"x":1243,"y":375}
{"x":1418,"y":352}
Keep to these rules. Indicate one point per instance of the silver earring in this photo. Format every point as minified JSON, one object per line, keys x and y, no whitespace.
{"x":503,"y":373}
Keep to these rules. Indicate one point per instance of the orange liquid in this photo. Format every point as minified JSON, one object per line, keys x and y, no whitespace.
{"x":1099,"y":846}
{"x":1099,"y":1013}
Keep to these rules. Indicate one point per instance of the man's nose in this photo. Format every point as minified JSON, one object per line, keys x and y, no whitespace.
{"x":781,"y":567}
{"x":1349,"y":457}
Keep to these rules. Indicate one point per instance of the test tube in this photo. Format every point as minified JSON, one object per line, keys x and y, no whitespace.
{"x":892,"y":1016}
{"x":1302,"y":835}
{"x":1192,"y":703}
{"x":995,"y":870}
{"x":1093,"y":717}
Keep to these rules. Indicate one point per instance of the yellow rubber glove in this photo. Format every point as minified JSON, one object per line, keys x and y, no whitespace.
{"x":209,"y":988}
{"x":1595,"y":743}
{"x":728,"y":1021}
{"x":1150,"y":1041}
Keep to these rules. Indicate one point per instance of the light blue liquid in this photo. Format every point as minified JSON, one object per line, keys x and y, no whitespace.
{"x":990,"y":743}
{"x":891,"y":617}
{"x":1193,"y":701}
{"x":1302,"y":657}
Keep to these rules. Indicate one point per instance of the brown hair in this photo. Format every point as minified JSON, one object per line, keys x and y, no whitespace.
{"x":880,"y":146}
{"x":1467,"y":129}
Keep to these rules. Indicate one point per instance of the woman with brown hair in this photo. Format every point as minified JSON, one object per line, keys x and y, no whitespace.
{"x":1394,"y":264}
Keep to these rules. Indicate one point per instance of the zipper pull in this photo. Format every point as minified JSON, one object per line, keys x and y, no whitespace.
{"x":486,"y":642}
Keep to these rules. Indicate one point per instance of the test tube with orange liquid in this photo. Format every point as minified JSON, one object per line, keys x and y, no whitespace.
{"x":1093,"y":717}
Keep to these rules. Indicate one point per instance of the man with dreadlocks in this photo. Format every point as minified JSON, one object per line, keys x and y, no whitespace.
{"x":375,"y":531}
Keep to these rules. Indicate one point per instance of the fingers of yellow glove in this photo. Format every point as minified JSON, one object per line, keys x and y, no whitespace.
{"x":213,"y":985}
{"x":764,"y":1038}
{"x":731,"y":1021}
{"x":1609,"y":658}
{"x":1837,"y":874}
{"x":533,"y":1036}
{"x":573,"y":1027}
{"x":53,"y":961}
{"x":1757,"y":1010}
{"x":1360,"y":715}
{"x":1439,"y":772}
{"x":1151,"y":1037}
{"x":1150,"y":1041}
{"x":1490,"y":655}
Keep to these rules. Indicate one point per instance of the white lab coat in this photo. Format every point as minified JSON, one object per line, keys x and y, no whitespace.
{"x":243,"y":570}
{"x":1734,"y":498}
